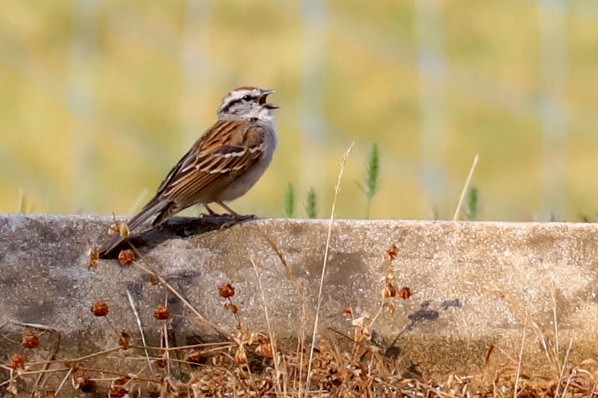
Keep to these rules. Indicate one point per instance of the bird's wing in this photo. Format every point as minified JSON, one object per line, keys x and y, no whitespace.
{"x":224,"y":152}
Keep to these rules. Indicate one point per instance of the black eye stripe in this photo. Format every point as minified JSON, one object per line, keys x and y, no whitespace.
{"x":235,"y":102}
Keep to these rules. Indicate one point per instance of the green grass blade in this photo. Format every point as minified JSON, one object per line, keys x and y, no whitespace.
{"x":311,"y":208}
{"x":289,"y":201}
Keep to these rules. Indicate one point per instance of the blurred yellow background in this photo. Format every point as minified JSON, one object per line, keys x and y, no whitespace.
{"x":98,"y":99}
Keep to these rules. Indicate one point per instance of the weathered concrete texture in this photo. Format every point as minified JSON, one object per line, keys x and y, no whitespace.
{"x":474,"y":284}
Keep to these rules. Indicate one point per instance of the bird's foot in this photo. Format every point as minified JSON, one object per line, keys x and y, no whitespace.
{"x":233,"y":215}
{"x":242,"y":217}
{"x":236,"y":219}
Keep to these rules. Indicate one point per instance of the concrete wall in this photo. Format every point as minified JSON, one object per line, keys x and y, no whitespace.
{"x":473,"y":285}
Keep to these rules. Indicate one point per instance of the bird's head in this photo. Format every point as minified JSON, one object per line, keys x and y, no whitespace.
{"x":245,"y":103}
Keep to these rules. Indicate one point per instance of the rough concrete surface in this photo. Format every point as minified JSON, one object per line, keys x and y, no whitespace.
{"x":474,"y":284}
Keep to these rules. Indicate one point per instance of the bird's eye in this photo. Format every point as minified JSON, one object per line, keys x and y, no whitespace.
{"x":246,"y":97}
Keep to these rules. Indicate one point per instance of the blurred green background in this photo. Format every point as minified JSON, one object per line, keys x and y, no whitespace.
{"x":98,"y":99}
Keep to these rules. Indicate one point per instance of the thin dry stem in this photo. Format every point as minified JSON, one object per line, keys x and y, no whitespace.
{"x":33,"y":326}
{"x":117,"y":374}
{"x":519,"y":363}
{"x":555,"y":319}
{"x":306,"y":313}
{"x":63,"y":381}
{"x":96,"y":354}
{"x":134,"y":308}
{"x":558,"y":385}
{"x":41,"y":379}
{"x":111,"y":325}
{"x":464,"y":191}
{"x":325,"y":262}
{"x":549,"y":351}
{"x":36,"y":372}
{"x":166,"y":352}
{"x":219,"y":346}
{"x":271,"y":334}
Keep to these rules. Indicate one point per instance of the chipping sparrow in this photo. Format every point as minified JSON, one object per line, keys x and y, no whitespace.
{"x":222,"y":165}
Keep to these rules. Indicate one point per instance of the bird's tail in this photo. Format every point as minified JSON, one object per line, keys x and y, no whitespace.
{"x":156,"y":206}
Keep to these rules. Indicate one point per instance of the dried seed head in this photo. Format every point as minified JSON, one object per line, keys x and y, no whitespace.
{"x":348,"y":312}
{"x":227,"y":290}
{"x":261,"y":338}
{"x":245,"y":336}
{"x":124,"y":340}
{"x":265,"y":350}
{"x":126,"y":257}
{"x":82,"y":381}
{"x":241,"y":356}
{"x":392,"y":252}
{"x":405,"y":293}
{"x":152,"y":279}
{"x":195,"y":357}
{"x":13,"y":386}
{"x":30,"y":340}
{"x":17,"y":361}
{"x":231,"y":307}
{"x":390,"y":290}
{"x":117,"y":391}
{"x":363,"y":334}
{"x":94,"y":258}
{"x":161,"y":312}
{"x":100,"y":308}
{"x":120,"y":228}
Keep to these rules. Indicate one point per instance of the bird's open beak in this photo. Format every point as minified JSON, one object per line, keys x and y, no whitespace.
{"x":264,"y":97}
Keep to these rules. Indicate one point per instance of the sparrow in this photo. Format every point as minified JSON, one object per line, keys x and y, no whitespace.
{"x":222,"y":165}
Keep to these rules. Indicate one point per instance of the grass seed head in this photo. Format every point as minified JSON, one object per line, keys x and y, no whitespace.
{"x":100,"y":308}
{"x":348,"y":312}
{"x":226,"y":290}
{"x":390,"y":291}
{"x":30,"y":340}
{"x":82,"y":381}
{"x":392,"y":252}
{"x":126,"y":257}
{"x":241,"y":356}
{"x":405,"y":293}
{"x":120,"y":228}
{"x":118,"y":391}
{"x":232,"y":308}
{"x":161,"y":312}
{"x":94,"y":258}
{"x":265,"y":350}
{"x":17,"y":361}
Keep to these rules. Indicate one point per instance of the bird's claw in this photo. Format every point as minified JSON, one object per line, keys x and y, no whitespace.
{"x":237,"y":218}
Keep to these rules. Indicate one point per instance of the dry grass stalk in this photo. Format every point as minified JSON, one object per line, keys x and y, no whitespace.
{"x":324,"y":263}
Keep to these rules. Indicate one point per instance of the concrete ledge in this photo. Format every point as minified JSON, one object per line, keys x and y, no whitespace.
{"x":474,"y":284}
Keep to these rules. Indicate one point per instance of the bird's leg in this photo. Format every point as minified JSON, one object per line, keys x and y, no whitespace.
{"x":236,"y":216}
{"x":211,"y":212}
